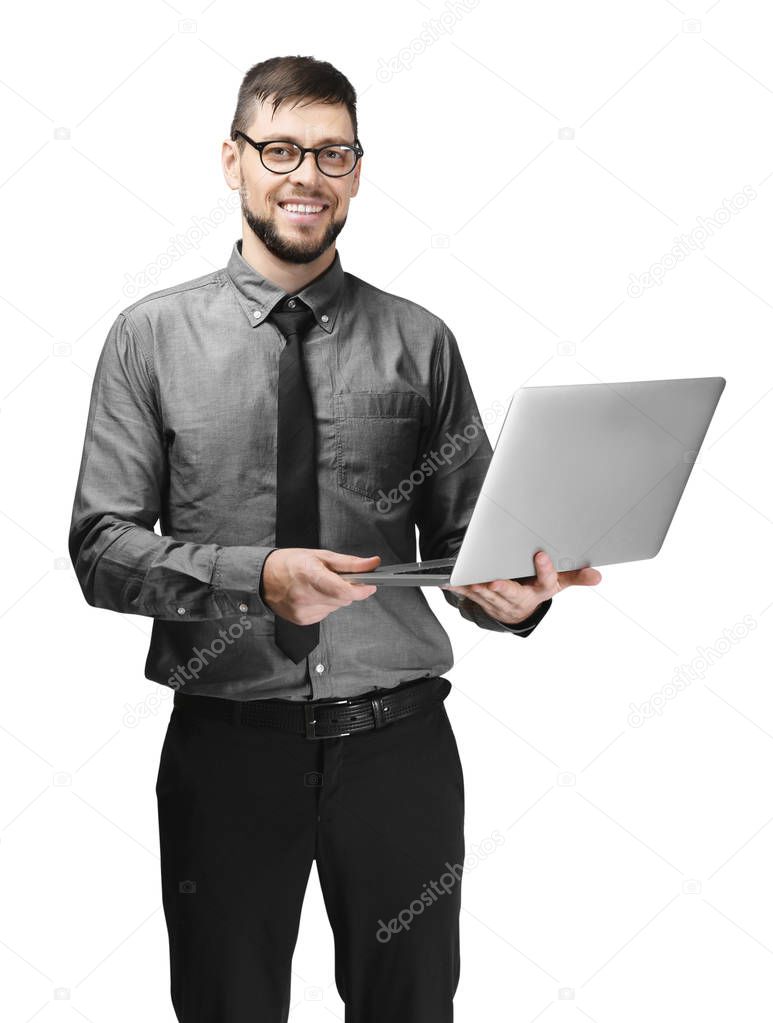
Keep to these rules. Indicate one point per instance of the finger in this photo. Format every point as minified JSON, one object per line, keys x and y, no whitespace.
{"x":348,"y":562}
{"x":463,"y":591}
{"x":474,"y":592}
{"x":495,"y":601}
{"x":579,"y":577}
{"x":330,"y":585}
{"x":337,"y":562}
{"x":482,"y":601}
{"x":547,"y":576}
{"x":501,"y":590}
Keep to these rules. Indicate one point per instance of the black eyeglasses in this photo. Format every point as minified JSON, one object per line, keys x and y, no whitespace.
{"x":281,"y":157}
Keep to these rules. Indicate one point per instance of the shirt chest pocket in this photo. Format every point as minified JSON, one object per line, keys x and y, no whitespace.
{"x":377,"y":439}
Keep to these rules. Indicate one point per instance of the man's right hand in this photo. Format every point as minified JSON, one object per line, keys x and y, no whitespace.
{"x":302,"y":585}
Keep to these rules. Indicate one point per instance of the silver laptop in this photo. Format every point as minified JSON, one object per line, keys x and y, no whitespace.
{"x":590,"y":473}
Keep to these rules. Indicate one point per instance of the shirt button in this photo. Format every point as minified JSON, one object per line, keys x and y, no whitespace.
{"x":256,"y":314}
{"x":319,"y":669}
{"x":291,"y":303}
{"x":243,"y":607}
{"x":181,"y":610}
{"x":324,"y":318}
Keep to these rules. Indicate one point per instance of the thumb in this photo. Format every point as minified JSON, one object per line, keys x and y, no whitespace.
{"x":349,"y":562}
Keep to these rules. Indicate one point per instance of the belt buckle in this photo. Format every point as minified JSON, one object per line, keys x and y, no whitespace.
{"x":310,"y":720}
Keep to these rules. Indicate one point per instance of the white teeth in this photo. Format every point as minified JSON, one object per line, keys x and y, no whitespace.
{"x":296,"y":208}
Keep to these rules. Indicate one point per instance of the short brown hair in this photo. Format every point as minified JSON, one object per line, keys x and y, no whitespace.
{"x":288,"y":79}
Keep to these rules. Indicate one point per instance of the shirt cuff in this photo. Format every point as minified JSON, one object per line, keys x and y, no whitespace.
{"x":237,"y":573}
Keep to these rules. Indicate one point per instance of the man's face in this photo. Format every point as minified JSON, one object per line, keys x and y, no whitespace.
{"x":297,"y":237}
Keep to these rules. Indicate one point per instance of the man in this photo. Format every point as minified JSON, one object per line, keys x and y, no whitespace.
{"x":262,"y":413}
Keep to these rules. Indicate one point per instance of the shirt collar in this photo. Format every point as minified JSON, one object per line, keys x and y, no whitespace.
{"x":257,"y":295}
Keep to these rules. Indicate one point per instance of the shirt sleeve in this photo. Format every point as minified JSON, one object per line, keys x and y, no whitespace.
{"x":120,"y":562}
{"x":456,"y":452}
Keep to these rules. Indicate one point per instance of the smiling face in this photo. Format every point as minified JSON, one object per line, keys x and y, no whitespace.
{"x":295,"y":235}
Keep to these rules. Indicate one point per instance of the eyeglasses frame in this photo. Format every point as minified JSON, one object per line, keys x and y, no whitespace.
{"x":259,"y":146}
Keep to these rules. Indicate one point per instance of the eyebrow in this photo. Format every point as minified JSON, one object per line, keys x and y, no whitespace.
{"x":338,"y":141}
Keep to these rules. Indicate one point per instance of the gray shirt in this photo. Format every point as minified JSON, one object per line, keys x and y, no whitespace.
{"x":181,"y":430}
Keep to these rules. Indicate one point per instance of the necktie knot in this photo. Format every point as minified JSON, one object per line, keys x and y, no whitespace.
{"x":293,"y":322}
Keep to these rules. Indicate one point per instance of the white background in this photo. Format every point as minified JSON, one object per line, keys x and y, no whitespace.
{"x":520,"y":167}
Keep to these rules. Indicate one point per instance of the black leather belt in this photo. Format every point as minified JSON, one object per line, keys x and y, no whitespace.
{"x":323,"y":719}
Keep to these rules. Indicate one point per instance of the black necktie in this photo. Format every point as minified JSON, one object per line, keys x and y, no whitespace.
{"x":297,"y":519}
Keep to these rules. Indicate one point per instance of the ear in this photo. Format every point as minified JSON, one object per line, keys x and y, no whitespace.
{"x":356,"y":176}
{"x":230,"y":158}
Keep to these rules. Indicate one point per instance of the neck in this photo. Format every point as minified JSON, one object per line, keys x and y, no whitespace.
{"x":290,"y":277}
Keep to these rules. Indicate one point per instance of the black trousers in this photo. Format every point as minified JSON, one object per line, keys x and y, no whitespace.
{"x":244,"y":811}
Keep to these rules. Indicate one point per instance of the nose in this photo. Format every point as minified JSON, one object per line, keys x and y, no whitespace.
{"x":307,"y":171}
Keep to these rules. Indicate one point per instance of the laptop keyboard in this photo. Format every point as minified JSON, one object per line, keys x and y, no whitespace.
{"x":425,"y":571}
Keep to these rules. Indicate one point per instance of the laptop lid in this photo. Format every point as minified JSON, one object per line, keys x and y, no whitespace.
{"x":590,"y":473}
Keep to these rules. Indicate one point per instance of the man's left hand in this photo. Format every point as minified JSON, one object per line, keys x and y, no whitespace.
{"x":510,"y":602}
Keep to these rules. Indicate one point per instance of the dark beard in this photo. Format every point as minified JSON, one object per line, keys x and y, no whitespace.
{"x":290,"y":251}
